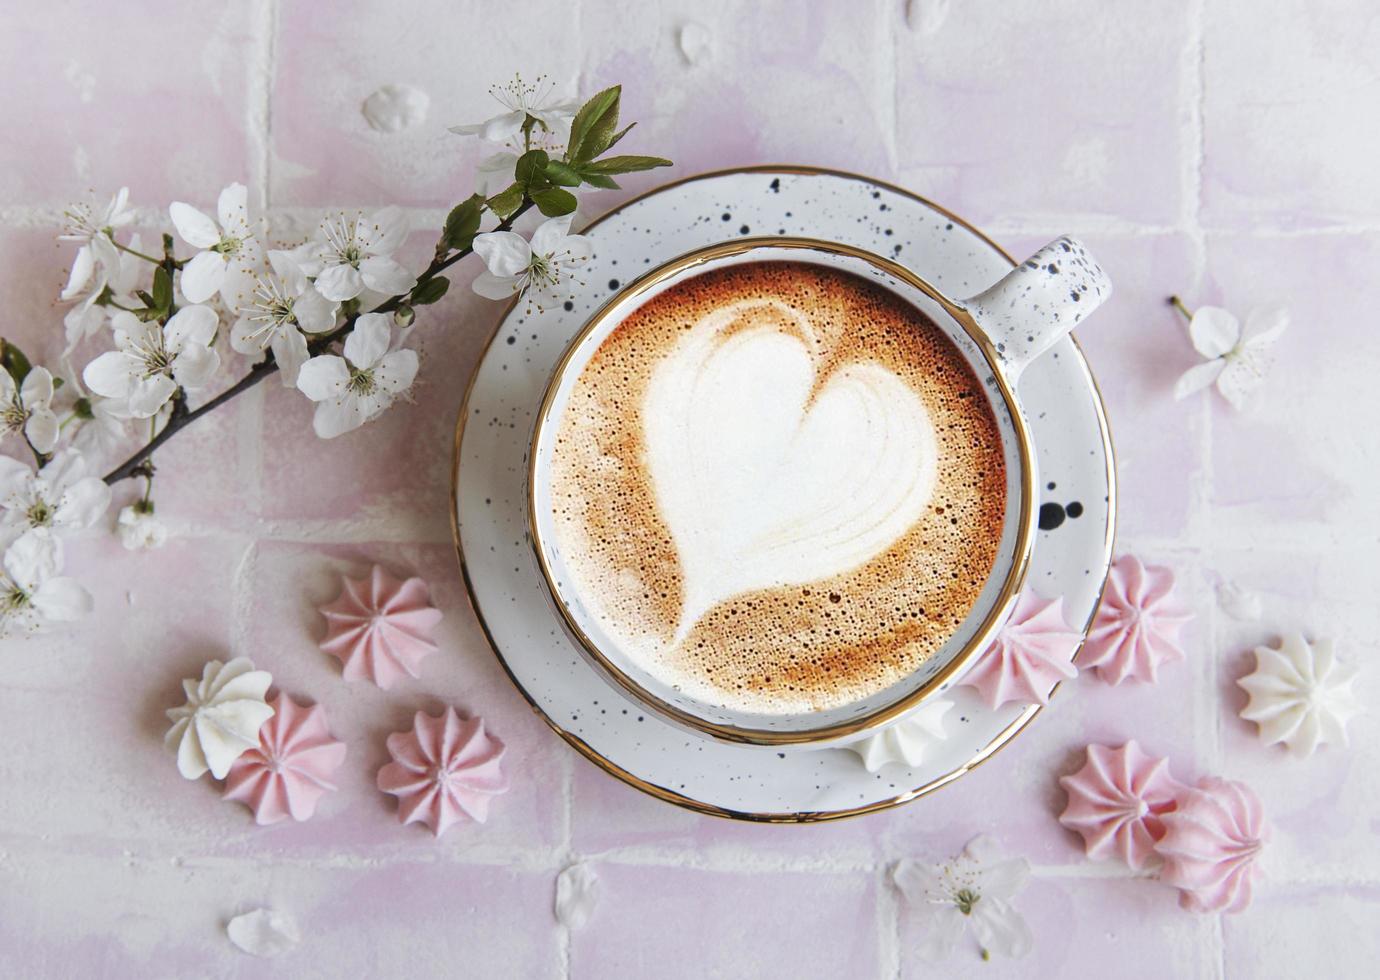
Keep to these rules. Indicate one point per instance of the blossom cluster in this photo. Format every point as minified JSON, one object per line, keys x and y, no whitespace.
{"x":331,"y":315}
{"x":161,"y":321}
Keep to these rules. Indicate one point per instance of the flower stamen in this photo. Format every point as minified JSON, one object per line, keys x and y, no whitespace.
{"x":39,"y":514}
{"x":361,"y":382}
{"x":13,"y":416}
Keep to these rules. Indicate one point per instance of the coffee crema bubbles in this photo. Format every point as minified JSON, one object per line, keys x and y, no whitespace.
{"x":777,"y":487}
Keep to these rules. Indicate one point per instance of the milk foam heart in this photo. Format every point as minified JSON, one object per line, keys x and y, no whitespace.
{"x":775,"y":487}
{"x":768,"y":473}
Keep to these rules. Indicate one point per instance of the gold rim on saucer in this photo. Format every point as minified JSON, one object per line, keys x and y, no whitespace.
{"x":618,"y":306}
{"x":667,"y":794}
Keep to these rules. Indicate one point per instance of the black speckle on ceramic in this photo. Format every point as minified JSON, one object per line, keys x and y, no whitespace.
{"x":1040,"y":301}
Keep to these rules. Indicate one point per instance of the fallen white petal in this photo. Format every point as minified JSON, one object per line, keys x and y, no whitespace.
{"x":1214,"y":331}
{"x":577,"y":892}
{"x":925,"y":17}
{"x":1198,"y":377}
{"x":263,"y":932}
{"x":393,"y":108}
{"x":694,"y":40}
{"x":1239,"y":603}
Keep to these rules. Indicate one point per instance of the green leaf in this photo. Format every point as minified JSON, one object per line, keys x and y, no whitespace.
{"x":600,"y":180}
{"x":554,"y":201}
{"x":624,"y":165}
{"x":618,"y":136}
{"x":162,"y":289}
{"x":14,"y":361}
{"x":506,"y":201}
{"x":462,"y":223}
{"x":429,"y":291}
{"x":530,"y":166}
{"x":562,"y":173}
{"x":592,"y":129}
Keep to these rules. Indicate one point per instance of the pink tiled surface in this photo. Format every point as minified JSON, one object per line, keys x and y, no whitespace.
{"x":1217,"y":149}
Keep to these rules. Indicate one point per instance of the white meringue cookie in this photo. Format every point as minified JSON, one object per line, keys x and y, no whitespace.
{"x":1300,"y":694}
{"x":221,"y":718}
{"x":906,"y":741}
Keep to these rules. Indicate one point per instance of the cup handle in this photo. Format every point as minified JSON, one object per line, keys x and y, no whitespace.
{"x":1038,"y":302}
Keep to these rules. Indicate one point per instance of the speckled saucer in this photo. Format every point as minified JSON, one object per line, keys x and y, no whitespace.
{"x":1072,"y":550}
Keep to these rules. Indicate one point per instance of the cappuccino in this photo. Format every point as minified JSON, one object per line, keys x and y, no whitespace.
{"x":777,"y":487}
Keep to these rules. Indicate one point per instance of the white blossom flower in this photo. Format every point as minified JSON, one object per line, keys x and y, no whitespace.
{"x":283,"y":306}
{"x":973,"y":889}
{"x":231,"y":252}
{"x":1238,"y":359}
{"x":353,"y":389}
{"x":58,"y":499}
{"x":150,"y":361}
{"x":94,"y":230}
{"x":104,"y":432}
{"x":496,"y":172}
{"x":139,"y":529}
{"x":27,"y":408}
{"x":537,"y":269}
{"x":32,"y":593}
{"x":87,"y":316}
{"x":97,"y":426}
{"x":352,"y":253}
{"x":522,"y":100}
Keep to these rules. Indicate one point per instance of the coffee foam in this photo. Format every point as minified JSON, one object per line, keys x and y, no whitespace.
{"x":777,"y":487}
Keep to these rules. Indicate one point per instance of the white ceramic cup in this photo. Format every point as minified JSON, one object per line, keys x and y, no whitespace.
{"x":999,"y":331}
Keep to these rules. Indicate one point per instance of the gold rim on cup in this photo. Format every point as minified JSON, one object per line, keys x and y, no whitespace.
{"x":619,"y":305}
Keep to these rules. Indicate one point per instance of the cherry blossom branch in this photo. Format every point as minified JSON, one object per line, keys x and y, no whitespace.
{"x":137,"y":254}
{"x":139,"y":463}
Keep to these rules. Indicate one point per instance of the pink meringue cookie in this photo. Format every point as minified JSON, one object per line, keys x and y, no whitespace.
{"x":1033,"y":651}
{"x":292,"y":767}
{"x":1137,"y":624}
{"x":1116,"y":801}
{"x":380,"y":627}
{"x":443,"y":768}
{"x":1210,"y":843}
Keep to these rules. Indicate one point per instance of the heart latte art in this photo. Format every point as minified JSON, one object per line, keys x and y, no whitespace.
{"x":777,"y":487}
{"x":764,"y":474}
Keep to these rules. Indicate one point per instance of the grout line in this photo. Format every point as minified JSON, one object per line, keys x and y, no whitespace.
{"x":249,"y":447}
{"x":888,"y":924}
{"x":567,"y":851}
{"x":577,"y":43}
{"x":892,"y":34}
{"x":242,"y":601}
{"x":262,"y":69}
{"x":1195,"y":148}
{"x":536,"y":860}
{"x":1204,"y":529}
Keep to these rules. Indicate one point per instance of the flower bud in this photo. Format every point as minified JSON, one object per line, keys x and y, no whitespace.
{"x":403,"y":316}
